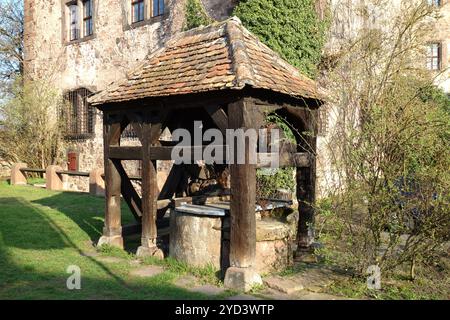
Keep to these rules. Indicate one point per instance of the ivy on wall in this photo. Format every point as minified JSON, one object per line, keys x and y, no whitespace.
{"x":292,"y":28}
{"x":196,"y":15}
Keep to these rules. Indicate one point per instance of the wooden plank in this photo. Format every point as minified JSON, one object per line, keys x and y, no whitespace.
{"x":198,"y":200}
{"x":155,"y":152}
{"x":74,"y":173}
{"x":243,"y":195}
{"x":219,"y":117}
{"x":306,"y":191}
{"x":125,"y":153}
{"x":149,"y":185}
{"x":111,"y":136}
{"x":129,"y":194}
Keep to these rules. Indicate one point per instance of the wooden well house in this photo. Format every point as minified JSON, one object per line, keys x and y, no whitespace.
{"x":223,"y":76}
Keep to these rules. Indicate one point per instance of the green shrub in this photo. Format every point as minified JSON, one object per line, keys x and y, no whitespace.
{"x":289,"y":27}
{"x":196,"y":15}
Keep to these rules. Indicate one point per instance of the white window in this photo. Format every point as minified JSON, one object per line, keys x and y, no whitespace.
{"x":434,"y":56}
{"x":74,"y":22}
{"x":436,"y":3}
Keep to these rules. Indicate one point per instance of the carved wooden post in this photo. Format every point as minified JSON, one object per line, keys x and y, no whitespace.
{"x":306,"y":192}
{"x":112,"y":231}
{"x":241,"y":275}
{"x":150,"y":135}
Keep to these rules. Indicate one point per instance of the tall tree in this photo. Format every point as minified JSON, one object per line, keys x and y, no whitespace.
{"x":11,"y":41}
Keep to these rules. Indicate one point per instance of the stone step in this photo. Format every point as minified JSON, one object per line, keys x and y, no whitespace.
{"x":147,"y":271}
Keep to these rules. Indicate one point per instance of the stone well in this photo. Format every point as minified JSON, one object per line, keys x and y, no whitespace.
{"x":202,"y":239}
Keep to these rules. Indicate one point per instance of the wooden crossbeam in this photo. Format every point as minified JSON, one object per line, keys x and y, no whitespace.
{"x":219,"y":117}
{"x":129,"y":194}
{"x":155,"y":152}
{"x":299,"y":160}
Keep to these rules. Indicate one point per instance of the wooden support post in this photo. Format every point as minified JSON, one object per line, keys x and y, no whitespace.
{"x":150,"y":136}
{"x":241,"y":275}
{"x":112,"y":231}
{"x":306,"y":193}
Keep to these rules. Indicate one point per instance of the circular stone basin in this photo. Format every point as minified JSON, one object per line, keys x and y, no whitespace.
{"x":201,"y":239}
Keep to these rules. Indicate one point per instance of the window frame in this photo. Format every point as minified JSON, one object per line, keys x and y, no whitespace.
{"x":87,"y":18}
{"x":432,"y":57}
{"x":160,"y":12}
{"x":73,"y":8}
{"x":83,"y":33}
{"x":129,"y":22}
{"x":141,"y":5}
{"x":79,"y":115}
{"x":434,"y":4}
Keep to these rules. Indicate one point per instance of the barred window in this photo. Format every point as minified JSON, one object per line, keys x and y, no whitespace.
{"x":79,"y":115}
{"x":129,"y":133}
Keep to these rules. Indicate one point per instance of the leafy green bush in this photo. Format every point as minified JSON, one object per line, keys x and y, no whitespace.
{"x":196,"y":15}
{"x":290,"y":27}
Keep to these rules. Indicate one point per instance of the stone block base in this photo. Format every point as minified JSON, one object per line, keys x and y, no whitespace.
{"x":17,"y":176}
{"x":241,"y":279}
{"x":114,"y":241}
{"x":143,"y":252}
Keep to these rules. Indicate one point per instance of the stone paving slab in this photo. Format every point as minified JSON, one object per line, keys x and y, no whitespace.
{"x":110,"y":259}
{"x":191,"y":283}
{"x":283,"y":284}
{"x":207,"y":289}
{"x":244,"y":297}
{"x":186,"y":281}
{"x":147,"y":271}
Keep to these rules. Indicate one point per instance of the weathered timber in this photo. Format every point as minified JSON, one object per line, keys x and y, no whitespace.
{"x":112,"y":232}
{"x":156,"y":152}
{"x":243,"y":194}
{"x":129,"y":194}
{"x":219,"y":116}
{"x":150,"y":135}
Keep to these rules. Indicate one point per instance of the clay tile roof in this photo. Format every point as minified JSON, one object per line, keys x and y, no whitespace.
{"x":221,"y":56}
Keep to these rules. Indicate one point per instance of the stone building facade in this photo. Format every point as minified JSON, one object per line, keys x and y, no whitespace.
{"x":82,"y":46}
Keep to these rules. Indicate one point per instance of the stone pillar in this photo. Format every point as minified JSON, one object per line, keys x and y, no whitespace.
{"x":54,"y":180}
{"x":97,"y":182}
{"x":17,"y":176}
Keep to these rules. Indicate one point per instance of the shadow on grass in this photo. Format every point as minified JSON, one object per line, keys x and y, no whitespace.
{"x":85,"y":210}
{"x":28,"y":230}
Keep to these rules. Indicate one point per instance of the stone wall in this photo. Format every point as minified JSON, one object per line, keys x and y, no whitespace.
{"x":114,"y":49}
{"x":5,"y":169}
{"x":442,"y":35}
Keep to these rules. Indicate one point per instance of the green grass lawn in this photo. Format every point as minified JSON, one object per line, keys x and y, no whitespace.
{"x":44,"y":232}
